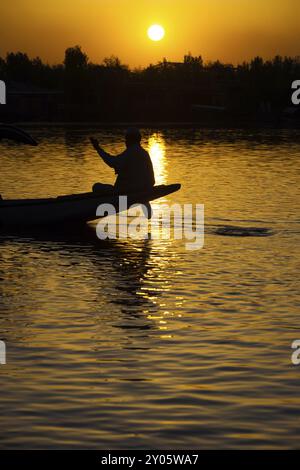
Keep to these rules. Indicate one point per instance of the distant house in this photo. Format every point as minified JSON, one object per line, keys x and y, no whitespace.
{"x":26,"y":102}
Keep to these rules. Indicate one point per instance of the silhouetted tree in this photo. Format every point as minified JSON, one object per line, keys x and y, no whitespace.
{"x":75,"y":59}
{"x":196,"y":62}
{"x":76,"y":83}
{"x":114,"y":62}
{"x":166,"y":90}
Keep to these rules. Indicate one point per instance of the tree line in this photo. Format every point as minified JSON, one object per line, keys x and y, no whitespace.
{"x":110,"y":90}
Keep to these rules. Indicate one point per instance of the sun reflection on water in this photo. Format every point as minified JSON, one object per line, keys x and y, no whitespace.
{"x":157,"y":151}
{"x":125,"y":335}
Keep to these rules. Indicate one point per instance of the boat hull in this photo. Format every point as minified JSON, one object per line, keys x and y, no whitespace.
{"x":73,"y":209}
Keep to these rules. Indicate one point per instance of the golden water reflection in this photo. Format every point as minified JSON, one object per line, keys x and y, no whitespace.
{"x":157,"y":150}
{"x":144,"y":344}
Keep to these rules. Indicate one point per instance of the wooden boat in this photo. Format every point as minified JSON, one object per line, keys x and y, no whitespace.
{"x":71,"y":209}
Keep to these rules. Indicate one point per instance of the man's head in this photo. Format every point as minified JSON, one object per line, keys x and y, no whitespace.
{"x":132,"y":136}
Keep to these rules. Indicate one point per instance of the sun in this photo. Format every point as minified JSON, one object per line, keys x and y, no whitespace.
{"x":156,"y":32}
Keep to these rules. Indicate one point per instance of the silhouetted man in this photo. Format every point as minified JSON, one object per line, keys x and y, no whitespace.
{"x":133,"y":166}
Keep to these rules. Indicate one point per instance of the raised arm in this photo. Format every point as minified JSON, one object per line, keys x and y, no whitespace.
{"x":106,"y":157}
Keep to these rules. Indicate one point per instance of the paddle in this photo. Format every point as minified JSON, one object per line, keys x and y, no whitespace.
{"x":147,"y":210}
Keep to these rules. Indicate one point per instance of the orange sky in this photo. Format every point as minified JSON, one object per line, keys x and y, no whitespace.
{"x":229,"y":30}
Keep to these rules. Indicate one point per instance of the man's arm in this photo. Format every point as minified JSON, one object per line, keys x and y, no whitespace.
{"x":112,"y":161}
{"x":106,"y":157}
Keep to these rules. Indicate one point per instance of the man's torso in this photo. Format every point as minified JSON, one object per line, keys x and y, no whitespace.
{"x":136,"y":170}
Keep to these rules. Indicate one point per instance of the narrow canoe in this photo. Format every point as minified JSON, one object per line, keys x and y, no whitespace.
{"x":76,"y":208}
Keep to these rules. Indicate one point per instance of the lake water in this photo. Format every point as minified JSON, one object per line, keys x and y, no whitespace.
{"x":143,"y":344}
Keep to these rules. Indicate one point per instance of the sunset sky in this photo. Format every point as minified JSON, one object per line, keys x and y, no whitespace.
{"x":229,"y":30}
